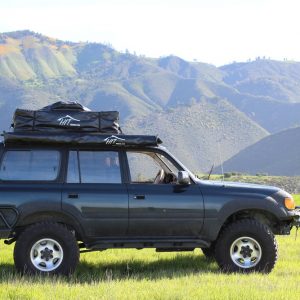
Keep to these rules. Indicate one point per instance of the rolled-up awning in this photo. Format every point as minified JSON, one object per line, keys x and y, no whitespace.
{"x":81,"y":139}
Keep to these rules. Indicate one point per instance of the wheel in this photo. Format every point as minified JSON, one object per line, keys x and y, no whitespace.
{"x":246,"y":246}
{"x":46,"y":248}
{"x":209,"y":252}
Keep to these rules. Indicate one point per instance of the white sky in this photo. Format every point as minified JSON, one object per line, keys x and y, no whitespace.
{"x":213,"y":31}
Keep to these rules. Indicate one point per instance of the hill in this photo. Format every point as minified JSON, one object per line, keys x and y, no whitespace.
{"x":267,"y":78}
{"x":267,"y":91}
{"x":200,"y":134}
{"x":261,"y":95}
{"x":276,"y":154}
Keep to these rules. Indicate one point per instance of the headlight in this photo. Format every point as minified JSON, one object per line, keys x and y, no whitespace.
{"x":289,"y":203}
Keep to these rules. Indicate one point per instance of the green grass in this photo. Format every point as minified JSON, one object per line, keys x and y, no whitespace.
{"x":145,"y":274}
{"x":297,"y":199}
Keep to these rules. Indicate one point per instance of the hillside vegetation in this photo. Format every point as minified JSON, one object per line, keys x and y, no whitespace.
{"x":200,"y":134}
{"x":227,"y":108}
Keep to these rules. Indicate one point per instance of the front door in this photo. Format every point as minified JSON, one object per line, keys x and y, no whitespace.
{"x":158,"y":206}
{"x":94,"y":193}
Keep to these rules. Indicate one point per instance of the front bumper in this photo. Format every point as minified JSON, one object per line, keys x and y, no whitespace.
{"x":296,"y":217}
{"x":5,"y":233}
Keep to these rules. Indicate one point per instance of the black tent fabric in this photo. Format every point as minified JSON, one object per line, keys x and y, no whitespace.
{"x":72,"y":123}
{"x":66,"y":117}
{"x":60,"y":105}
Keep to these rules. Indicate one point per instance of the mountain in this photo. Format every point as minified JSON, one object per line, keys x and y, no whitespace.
{"x":197,"y":107}
{"x":200,"y":134}
{"x":267,"y":78}
{"x":277,"y":154}
{"x":267,"y":91}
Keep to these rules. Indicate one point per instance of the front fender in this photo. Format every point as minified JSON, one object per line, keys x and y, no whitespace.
{"x":220,"y":207}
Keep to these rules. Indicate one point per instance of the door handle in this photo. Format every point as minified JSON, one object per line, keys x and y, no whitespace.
{"x":73,"y":196}
{"x":139,"y":197}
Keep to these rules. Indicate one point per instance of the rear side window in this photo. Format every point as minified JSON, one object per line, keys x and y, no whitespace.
{"x":94,"y":167}
{"x":30,"y":165}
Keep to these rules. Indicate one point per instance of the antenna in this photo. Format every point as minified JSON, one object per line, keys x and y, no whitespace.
{"x":221,"y":161}
{"x":211,"y":169}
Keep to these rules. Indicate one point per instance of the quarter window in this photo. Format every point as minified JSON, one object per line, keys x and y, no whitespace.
{"x":30,"y":165}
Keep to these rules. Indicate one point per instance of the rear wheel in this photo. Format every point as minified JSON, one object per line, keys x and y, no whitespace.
{"x":46,"y":248}
{"x":246,"y":246}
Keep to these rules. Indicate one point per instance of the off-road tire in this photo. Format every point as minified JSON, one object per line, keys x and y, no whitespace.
{"x":53,"y":232}
{"x":209,"y":253}
{"x":254,"y":230}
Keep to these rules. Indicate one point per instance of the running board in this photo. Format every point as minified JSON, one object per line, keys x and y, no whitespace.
{"x":173,"y":249}
{"x":160,"y":245}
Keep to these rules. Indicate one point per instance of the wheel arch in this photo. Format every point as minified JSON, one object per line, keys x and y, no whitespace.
{"x":263,"y":216}
{"x":50,"y":216}
{"x":214,"y":226}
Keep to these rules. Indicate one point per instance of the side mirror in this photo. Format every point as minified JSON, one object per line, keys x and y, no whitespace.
{"x":183,"y":177}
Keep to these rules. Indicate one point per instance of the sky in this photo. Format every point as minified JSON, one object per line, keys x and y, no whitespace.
{"x":212,"y":31}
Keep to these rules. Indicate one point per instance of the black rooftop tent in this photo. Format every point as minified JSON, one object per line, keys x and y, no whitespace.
{"x":66,"y":117}
{"x":72,"y":123}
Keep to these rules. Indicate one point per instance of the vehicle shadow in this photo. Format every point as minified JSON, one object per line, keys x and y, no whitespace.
{"x":88,"y":272}
{"x":139,"y":269}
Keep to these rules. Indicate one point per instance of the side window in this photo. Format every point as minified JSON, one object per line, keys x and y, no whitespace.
{"x":30,"y":165}
{"x":94,"y":167}
{"x":143,"y":168}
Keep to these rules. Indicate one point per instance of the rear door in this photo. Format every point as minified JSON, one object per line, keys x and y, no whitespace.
{"x":95,"y":194}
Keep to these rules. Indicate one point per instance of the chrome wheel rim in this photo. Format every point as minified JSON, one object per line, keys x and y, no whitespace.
{"x":245,"y":252}
{"x":46,"y":255}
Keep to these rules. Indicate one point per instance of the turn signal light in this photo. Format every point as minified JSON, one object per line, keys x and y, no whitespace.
{"x":289,"y":203}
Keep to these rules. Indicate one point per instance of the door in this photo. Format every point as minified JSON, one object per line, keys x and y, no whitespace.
{"x":158,"y":206}
{"x":94,"y":193}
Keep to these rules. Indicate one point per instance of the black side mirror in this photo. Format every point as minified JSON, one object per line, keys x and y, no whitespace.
{"x":183,"y":177}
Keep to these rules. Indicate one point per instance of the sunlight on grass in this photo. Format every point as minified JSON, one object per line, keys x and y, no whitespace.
{"x":297,"y":199}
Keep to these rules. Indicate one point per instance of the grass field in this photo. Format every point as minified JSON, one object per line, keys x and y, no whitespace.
{"x":145,"y":274}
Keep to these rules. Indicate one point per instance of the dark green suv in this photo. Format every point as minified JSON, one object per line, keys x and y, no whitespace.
{"x":59,"y":198}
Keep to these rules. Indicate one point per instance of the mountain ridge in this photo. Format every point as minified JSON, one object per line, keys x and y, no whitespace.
{"x":36,"y":70}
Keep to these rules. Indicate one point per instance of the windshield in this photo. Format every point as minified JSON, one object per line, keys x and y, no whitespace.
{"x":167,"y":163}
{"x":182,"y":166}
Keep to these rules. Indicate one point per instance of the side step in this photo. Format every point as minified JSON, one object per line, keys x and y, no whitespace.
{"x":173,"y":249}
{"x":160,"y":245}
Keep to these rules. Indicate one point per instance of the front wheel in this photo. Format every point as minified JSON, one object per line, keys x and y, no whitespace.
{"x":246,"y":246}
{"x":46,"y":248}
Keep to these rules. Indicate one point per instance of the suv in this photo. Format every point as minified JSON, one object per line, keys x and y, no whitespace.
{"x":60,"y":198}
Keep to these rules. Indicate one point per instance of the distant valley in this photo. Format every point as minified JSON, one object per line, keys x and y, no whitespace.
{"x":204,"y":114}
